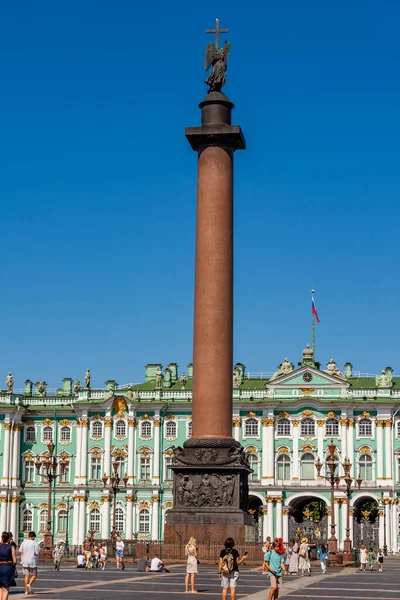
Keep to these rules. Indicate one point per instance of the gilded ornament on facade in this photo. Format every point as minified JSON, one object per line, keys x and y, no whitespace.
{"x":95,"y":452}
{"x":286,"y":511}
{"x":62,"y":505}
{"x":307,"y":448}
{"x":155,"y":499}
{"x":269,"y":500}
{"x":283,"y":450}
{"x":251,"y":414}
{"x":284,"y":415}
{"x":65,"y":423}
{"x":157,"y":422}
{"x":171,"y":417}
{"x":17,"y":426}
{"x":379,"y":423}
{"x":365,"y":415}
{"x":94,"y":504}
{"x":29,"y":422}
{"x":48,"y":422}
{"x":120,"y":405}
{"x":388,"y":423}
{"x":105,"y":499}
{"x":351,"y":422}
{"x":320,"y":422}
{"x":307,"y":392}
{"x":84,"y":422}
{"x":343,"y":422}
{"x":43,"y":505}
{"x":295,"y":423}
{"x":268,"y":422}
{"x":144,"y":504}
{"x":145,"y":417}
{"x":331,"y":415}
{"x":251,"y":450}
{"x":307,"y":413}
{"x":108,"y":422}
{"x":236,"y":422}
{"x":365,"y":450}
{"x":145,"y":452}
{"x":15,"y":499}
{"x":168,"y":505}
{"x":7,"y":425}
{"x":132,"y":423}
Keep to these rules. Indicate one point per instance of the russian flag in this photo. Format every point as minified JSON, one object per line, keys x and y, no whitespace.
{"x":314,"y":310}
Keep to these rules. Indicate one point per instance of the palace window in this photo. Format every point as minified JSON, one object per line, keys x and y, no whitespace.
{"x":253,"y":461}
{"x":169,"y":474}
{"x":144,"y":521}
{"x":62,"y":521}
{"x":170,"y":429}
{"x":65,"y":434}
{"x":119,"y":520}
{"x":27,"y":520}
{"x":308,"y":466}
{"x":365,"y":467}
{"x":283,"y":467}
{"x":29,"y":471}
{"x":145,"y":428}
{"x":97,"y":429}
{"x":30,"y":435}
{"x":43,"y":521}
{"x":332,"y":427}
{"x":64,"y":477}
{"x":121,"y":466}
{"x":398,"y":428}
{"x":283,"y":427}
{"x":94,"y":520}
{"x":251,"y":427}
{"x":307,"y":426}
{"x":47,"y":434}
{"x":365,"y":427}
{"x":120,"y":428}
{"x":145,"y":468}
{"x":95,"y":468}
{"x":189,"y":429}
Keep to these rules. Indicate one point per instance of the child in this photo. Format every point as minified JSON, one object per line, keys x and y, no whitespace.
{"x":379,"y":558}
{"x":323,"y":557}
{"x":371,"y":558}
{"x":363,"y":558}
{"x":275,"y":565}
{"x":57,"y":555}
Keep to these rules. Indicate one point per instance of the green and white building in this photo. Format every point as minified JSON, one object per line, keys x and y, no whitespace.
{"x":285,"y":420}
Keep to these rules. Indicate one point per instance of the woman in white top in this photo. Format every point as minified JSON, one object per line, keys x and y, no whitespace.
{"x":119,"y":553}
{"x":304,"y":560}
{"x":191,"y":565}
{"x":363,"y":557}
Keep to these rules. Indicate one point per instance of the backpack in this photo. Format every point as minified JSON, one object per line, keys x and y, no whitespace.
{"x":227,"y":563}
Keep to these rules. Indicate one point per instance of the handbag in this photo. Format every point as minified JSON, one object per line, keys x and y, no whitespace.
{"x":15,"y":573}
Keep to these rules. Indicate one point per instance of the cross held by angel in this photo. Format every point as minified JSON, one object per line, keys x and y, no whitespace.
{"x":217,"y":58}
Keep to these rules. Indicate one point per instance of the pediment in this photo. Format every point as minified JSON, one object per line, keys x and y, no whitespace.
{"x":308,"y":377}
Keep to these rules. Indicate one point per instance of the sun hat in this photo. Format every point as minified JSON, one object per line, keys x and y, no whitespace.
{"x":304,"y":540}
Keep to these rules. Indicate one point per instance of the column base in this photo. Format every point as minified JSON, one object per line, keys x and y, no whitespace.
{"x":210,"y":493}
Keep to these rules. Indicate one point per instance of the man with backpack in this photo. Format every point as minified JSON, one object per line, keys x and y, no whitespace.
{"x":228,"y":568}
{"x":274,"y":562}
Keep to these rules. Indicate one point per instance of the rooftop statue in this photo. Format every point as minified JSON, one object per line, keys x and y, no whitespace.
{"x":385,"y":380}
{"x":331,"y":369}
{"x":217,"y":57}
{"x":284,"y":369}
{"x":10,"y":383}
{"x":87,"y":378}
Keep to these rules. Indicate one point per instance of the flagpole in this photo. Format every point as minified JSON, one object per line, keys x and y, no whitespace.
{"x":312,"y":324}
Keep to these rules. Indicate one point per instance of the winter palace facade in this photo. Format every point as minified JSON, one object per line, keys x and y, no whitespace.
{"x":285,"y":422}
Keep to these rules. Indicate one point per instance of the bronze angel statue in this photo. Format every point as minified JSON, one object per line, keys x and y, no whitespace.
{"x":218,"y":59}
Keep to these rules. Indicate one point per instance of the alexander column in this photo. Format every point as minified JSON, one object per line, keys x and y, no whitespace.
{"x":211,"y":470}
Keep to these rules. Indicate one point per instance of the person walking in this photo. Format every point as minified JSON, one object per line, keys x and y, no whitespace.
{"x":8,"y":562}
{"x":379,"y":560}
{"x":228,"y":568}
{"x":103,"y":555}
{"x":322,"y":555}
{"x":29,"y":551}
{"x":275,"y":564}
{"x":266,"y":547}
{"x":57,"y":555}
{"x":119,"y":553}
{"x":363,"y":557}
{"x":304,"y":559}
{"x":191,"y":564}
{"x":294,"y":558}
{"x":371,"y":558}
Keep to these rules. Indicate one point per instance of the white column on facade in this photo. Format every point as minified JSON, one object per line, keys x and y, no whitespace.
{"x":129,"y":517}
{"x":388,"y":452}
{"x":329,"y":522}
{"x":387,"y":504}
{"x":285,"y":525}
{"x":337,"y":523}
{"x":16,"y":457}
{"x":350,"y":444}
{"x":379,"y":448}
{"x":156,"y":457}
{"x":82,"y":519}
{"x":320,"y":439}
{"x":107,"y":445}
{"x":295,"y":462}
{"x":381,"y":528}
{"x":154,"y":521}
{"x":268,"y":454}
{"x":343,"y":436}
{"x":78,"y":455}
{"x":265,"y":522}
{"x":12,"y":524}
{"x":270,"y":518}
{"x":84,"y":455}
{"x":131,"y":450}
{"x":278,"y":518}
{"x":106,"y":516}
{"x":395,"y":517}
{"x":6,"y":453}
{"x":75,"y":522}
{"x":351,"y":525}
{"x":3,"y":515}
{"x":343,"y":514}
{"x":236,"y":428}
{"x":135,"y":524}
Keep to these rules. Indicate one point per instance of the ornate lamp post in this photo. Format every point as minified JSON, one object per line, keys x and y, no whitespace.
{"x":116,"y":484}
{"x":67,"y":499}
{"x":46,"y":467}
{"x":334,"y":480}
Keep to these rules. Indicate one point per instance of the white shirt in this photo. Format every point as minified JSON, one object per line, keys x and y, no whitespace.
{"x":30,"y":553}
{"x":119,"y":545}
{"x":81,"y":559}
{"x":156,"y":564}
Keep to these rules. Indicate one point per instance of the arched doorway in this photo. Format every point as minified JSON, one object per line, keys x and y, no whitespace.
{"x":366,"y":522}
{"x":254,"y":507}
{"x":308,"y":517}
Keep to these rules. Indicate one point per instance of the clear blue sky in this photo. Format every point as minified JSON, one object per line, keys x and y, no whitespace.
{"x":98,"y":184}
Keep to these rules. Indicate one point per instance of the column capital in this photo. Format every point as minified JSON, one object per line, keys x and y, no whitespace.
{"x":132,"y":423}
{"x":279,"y":500}
{"x":108,"y":422}
{"x":17,"y":426}
{"x":84,"y":422}
{"x":236,"y":422}
{"x":320,"y":422}
{"x":157,"y":422}
{"x":388,"y":423}
{"x":379,"y":422}
{"x":268,"y":422}
{"x":295,"y":423}
{"x":344,"y":422}
{"x":350,"y":422}
{"x":286,"y":511}
{"x":7,"y":426}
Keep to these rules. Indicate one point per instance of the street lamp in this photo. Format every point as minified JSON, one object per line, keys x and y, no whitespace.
{"x":46,"y":467}
{"x":334,"y":480}
{"x":116,"y":484}
{"x":67,"y":499}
